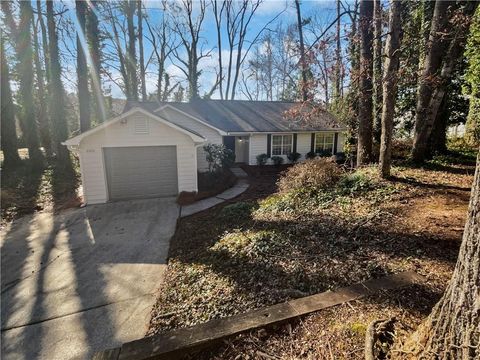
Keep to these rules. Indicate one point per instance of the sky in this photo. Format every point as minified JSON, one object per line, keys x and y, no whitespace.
{"x":280,"y":11}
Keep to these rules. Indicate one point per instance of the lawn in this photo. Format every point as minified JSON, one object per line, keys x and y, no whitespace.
{"x":264,"y":248}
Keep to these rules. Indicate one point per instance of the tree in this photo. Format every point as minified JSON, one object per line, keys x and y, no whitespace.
{"x":303,"y":60}
{"x":436,"y":47}
{"x":377,"y":70}
{"x":42,"y":98}
{"x":21,"y":36}
{"x":473,"y":85}
{"x":140,"y":49}
{"x":365,"y":111}
{"x":82,"y":68}
{"x":56,"y":93}
{"x":131,"y":53}
{"x":452,"y":329}
{"x":9,"y":133}
{"x":391,"y":64}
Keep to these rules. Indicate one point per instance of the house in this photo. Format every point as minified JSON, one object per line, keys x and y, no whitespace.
{"x":156,"y":149}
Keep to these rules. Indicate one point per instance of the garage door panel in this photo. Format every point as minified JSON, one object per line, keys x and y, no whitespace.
{"x":141,"y":172}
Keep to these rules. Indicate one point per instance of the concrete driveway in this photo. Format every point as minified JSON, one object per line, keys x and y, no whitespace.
{"x":84,"y":280}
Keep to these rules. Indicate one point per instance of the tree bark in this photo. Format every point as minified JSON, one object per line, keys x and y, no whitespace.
{"x":8,"y":128}
{"x":390,"y":79}
{"x":82,"y":68}
{"x":132,"y":57}
{"x":452,"y":330}
{"x":377,"y":71}
{"x":93,"y":39}
{"x":436,"y":47}
{"x":338,"y":56}
{"x":56,"y":94}
{"x":365,"y":110}
{"x":303,"y":63}
{"x":42,"y":97}
{"x":140,"y":49}
{"x":23,"y":49}
{"x":43,"y":31}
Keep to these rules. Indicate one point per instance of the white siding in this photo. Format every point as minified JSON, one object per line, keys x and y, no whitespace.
{"x":207,"y":132}
{"x":304,"y":144}
{"x":123,"y":134}
{"x":258,"y":145}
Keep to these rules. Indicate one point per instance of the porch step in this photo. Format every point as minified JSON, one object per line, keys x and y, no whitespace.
{"x":239,"y":172}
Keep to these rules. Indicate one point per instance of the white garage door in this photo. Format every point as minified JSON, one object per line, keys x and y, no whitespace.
{"x":141,"y":172}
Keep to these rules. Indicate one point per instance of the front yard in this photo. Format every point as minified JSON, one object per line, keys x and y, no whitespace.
{"x":262,"y":249}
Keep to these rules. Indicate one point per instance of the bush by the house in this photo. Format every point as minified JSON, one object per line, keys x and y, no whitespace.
{"x":293,"y":157}
{"x":262,"y":159}
{"x":218,"y":157}
{"x":310,"y":155}
{"x":310,"y":176}
{"x":277,"y":160}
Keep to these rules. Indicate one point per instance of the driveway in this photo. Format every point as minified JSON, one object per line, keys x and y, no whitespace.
{"x":84,"y":280}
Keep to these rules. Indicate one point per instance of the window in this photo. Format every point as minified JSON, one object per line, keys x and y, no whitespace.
{"x":324,"y":143}
{"x":282,"y":144}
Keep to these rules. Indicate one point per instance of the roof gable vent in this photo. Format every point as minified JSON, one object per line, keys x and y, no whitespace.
{"x":141,"y":125}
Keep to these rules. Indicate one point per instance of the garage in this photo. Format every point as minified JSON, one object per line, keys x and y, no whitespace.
{"x":136,"y":155}
{"x":141,"y":172}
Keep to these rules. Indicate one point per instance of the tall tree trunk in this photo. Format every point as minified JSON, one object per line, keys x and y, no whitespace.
{"x":140,"y":49}
{"x":377,"y":71}
{"x":56,"y":94}
{"x":438,"y":138}
{"x":132,"y":57}
{"x":436,"y":47}
{"x":93,"y":39}
{"x":218,"y":23}
{"x":390,"y":79}
{"x":23,"y":49}
{"x":303,"y":61}
{"x":452,"y":329}
{"x":82,"y":68}
{"x":9,"y":133}
{"x":43,"y":31}
{"x":365,"y":111}
{"x":42,"y":97}
{"x":338,"y":56}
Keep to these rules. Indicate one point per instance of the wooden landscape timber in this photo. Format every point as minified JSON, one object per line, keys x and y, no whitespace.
{"x":173,"y":344}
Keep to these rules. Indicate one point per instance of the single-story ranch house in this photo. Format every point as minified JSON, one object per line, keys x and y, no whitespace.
{"x":156,"y":149}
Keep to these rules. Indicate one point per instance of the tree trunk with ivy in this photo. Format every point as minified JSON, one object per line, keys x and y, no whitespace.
{"x":452,"y":331}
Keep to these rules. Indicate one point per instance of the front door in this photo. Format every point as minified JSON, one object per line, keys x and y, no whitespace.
{"x":241,"y":149}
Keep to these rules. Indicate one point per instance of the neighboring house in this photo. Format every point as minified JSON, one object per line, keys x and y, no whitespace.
{"x":156,"y":149}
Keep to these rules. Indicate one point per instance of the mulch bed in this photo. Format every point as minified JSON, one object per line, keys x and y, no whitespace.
{"x":246,"y":259}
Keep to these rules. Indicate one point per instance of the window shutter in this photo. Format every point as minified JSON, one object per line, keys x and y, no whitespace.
{"x":269,"y":145}
{"x":294,"y":143}
{"x":335,"y":142}
{"x":312,"y":143}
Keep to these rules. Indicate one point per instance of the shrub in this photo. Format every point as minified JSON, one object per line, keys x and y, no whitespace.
{"x":218,"y":157}
{"x":277,"y":160}
{"x":310,"y":155}
{"x":354,"y":183}
{"x":310,"y":176}
{"x":262,"y":159}
{"x":238,"y":210}
{"x":294,"y":156}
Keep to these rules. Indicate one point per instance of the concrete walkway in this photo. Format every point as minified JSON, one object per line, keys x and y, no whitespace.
{"x":82,"y":281}
{"x":205,"y":204}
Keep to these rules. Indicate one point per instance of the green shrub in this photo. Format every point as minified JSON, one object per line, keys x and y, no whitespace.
{"x":262,"y":159}
{"x":218,"y":157}
{"x":294,"y":156}
{"x":354,"y":183}
{"x":238,"y":209}
{"x":311,"y":176}
{"x":311,"y":155}
{"x":277,"y":160}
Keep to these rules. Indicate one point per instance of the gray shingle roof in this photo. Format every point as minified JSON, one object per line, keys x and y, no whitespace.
{"x":250,"y":116}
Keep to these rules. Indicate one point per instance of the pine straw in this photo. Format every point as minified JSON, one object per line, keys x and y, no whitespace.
{"x":228,"y":261}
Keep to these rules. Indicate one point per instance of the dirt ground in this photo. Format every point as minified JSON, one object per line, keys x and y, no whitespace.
{"x":242,"y":262}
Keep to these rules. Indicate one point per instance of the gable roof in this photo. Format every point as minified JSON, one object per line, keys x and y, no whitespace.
{"x":233,"y":116}
{"x":76,"y":139}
